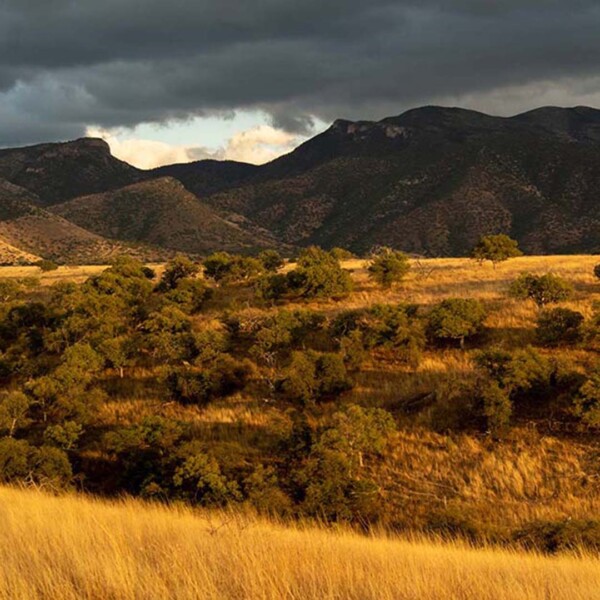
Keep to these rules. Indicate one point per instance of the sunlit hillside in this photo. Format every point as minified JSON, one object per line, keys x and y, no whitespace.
{"x":72,"y":548}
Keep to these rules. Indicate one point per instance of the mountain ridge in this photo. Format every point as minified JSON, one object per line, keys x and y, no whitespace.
{"x":430,"y":180}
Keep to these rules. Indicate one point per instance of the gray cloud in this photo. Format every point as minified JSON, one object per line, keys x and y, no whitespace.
{"x":67,"y":64}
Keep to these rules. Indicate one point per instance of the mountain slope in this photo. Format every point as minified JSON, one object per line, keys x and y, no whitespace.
{"x":28,"y":232}
{"x":433,"y":180}
{"x":206,"y":177}
{"x":57,"y":172}
{"x":163,"y":213}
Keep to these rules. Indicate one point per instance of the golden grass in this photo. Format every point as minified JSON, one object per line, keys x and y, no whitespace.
{"x":74,"y":548}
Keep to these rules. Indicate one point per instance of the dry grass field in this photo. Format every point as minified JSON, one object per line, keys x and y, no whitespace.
{"x":74,"y":548}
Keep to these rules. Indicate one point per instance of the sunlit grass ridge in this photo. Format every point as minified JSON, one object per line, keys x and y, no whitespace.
{"x":69,"y":547}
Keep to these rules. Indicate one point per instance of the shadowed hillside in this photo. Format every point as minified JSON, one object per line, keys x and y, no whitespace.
{"x":163,"y":213}
{"x":433,"y":180}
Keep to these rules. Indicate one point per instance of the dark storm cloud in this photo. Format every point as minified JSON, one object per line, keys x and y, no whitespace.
{"x":65,"y":64}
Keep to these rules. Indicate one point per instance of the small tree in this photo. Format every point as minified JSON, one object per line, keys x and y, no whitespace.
{"x":388,"y":267}
{"x":559,"y":325}
{"x":358,"y":431}
{"x":495,"y":248}
{"x":497,"y":407}
{"x":456,"y":319}
{"x":46,"y":265}
{"x":542,"y":289}
{"x":319,"y":275}
{"x":342,"y":254}
{"x":178,"y":268}
{"x":13,"y":411}
{"x":587,"y":403}
{"x":271,"y":260}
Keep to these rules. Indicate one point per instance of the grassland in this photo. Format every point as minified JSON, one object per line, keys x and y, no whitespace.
{"x":74,"y":548}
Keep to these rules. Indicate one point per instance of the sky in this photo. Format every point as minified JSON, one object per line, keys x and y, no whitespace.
{"x":180,"y":80}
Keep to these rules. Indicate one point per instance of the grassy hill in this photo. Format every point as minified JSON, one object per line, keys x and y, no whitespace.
{"x":163,"y":213}
{"x":74,"y":548}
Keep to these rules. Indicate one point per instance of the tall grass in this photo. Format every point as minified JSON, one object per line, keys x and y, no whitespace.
{"x":74,"y":548}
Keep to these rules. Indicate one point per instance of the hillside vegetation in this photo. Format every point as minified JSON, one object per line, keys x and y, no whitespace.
{"x":69,"y":548}
{"x":438,"y":400}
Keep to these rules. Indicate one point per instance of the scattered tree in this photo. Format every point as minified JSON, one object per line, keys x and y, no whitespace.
{"x":388,"y":267}
{"x":495,"y":248}
{"x":542,"y":289}
{"x":456,"y":319}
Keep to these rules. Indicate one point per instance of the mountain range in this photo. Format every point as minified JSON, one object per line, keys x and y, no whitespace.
{"x":430,"y":181}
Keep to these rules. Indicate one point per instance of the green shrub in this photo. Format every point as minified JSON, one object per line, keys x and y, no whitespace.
{"x":559,"y":326}
{"x":388,"y":267}
{"x":179,"y":268}
{"x":495,"y":248}
{"x":587,"y":401}
{"x":46,"y":265}
{"x":456,"y":319}
{"x":190,"y":294}
{"x":319,"y":275}
{"x":224,"y":377}
{"x":497,"y":407}
{"x":314,"y":376}
{"x":223,"y":267}
{"x":542,"y":289}
{"x":342,"y":254}
{"x":560,"y":536}
{"x":199,"y":479}
{"x":271,"y":260}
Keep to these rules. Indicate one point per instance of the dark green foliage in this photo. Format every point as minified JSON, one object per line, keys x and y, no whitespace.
{"x":559,"y":326}
{"x":272,"y":286}
{"x":335,"y":486}
{"x":223,"y":377}
{"x":342,"y":254}
{"x":65,"y":435}
{"x":497,"y":407}
{"x":519,"y":371}
{"x":319,"y":275}
{"x":396,"y":328}
{"x":46,"y":265}
{"x":271,"y":260}
{"x":275,"y":336}
{"x":314,"y":376}
{"x":353,"y":350}
{"x":560,"y":536}
{"x":21,"y":462}
{"x":229,"y":268}
{"x":14,"y":407}
{"x":190,"y":295}
{"x":331,"y":493}
{"x":167,"y":335}
{"x":456,"y":319}
{"x":14,"y":459}
{"x":198,"y":478}
{"x":262,"y":490}
{"x":495,"y":248}
{"x":587,"y":401}
{"x":542,"y":289}
{"x":357,"y":432}
{"x":388,"y":267}
{"x":179,"y":268}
